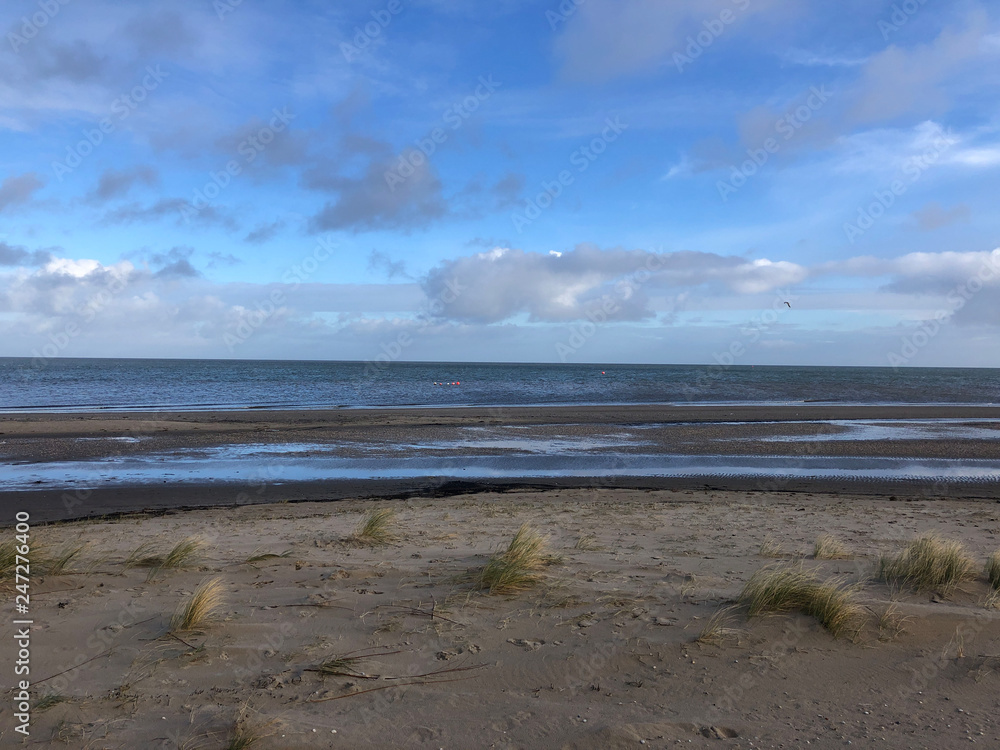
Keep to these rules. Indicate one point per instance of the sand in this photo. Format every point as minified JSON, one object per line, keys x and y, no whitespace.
{"x":602,"y":653}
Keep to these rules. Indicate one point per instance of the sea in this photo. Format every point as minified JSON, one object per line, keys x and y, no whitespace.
{"x":66,"y":385}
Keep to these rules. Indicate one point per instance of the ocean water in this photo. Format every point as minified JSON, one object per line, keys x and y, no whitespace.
{"x":145,"y":384}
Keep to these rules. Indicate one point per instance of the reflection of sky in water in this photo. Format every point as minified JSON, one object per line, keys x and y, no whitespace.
{"x":520,"y":455}
{"x":287,"y":468}
{"x":900,"y":429}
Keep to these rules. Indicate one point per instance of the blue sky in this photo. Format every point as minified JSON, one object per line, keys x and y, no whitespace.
{"x":595,"y":181}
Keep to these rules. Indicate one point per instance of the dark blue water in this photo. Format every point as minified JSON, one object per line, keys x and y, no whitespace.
{"x":126,"y":384}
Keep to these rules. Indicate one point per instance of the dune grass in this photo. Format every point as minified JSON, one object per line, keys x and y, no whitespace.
{"x":770,"y":548}
{"x":376,"y":527}
{"x":928,"y":562}
{"x":140,"y":557}
{"x":58,"y":563}
{"x":200,"y":607}
{"x":993,"y":570}
{"x":247,"y":732}
{"x":587,"y":543}
{"x":829,"y":548}
{"x":8,"y":558}
{"x":785,"y":589}
{"x":179,"y":556}
{"x":182,"y":553}
{"x":517,"y":567}
{"x":717,"y":629}
{"x":891,"y":624}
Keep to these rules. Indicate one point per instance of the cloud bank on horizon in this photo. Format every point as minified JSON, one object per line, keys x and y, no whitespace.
{"x":431,"y":180}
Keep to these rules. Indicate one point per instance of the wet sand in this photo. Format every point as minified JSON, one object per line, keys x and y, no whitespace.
{"x":793,"y":431}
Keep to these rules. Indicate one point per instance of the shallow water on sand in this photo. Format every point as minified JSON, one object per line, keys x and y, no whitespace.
{"x":230,"y":465}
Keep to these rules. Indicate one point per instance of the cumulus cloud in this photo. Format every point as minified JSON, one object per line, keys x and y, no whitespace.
{"x":500,"y":284}
{"x":946,"y":267}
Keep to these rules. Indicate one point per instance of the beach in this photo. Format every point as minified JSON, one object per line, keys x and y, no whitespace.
{"x":608,"y":649}
{"x":634,"y":632}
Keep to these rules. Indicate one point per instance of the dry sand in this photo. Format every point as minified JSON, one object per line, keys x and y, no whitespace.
{"x":602,"y":654}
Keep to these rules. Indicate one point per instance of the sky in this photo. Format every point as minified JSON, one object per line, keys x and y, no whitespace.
{"x":702,"y":181}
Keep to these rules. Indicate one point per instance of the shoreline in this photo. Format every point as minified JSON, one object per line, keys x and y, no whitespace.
{"x":27,"y":422}
{"x":447,"y":439}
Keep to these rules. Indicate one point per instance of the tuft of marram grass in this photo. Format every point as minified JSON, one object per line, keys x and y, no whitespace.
{"x":140,"y":557}
{"x":517,"y":567}
{"x":829,"y":548}
{"x":58,"y":563}
{"x":587,"y":543}
{"x":717,"y":629}
{"x":179,"y":556}
{"x":771,"y":548}
{"x":928,"y":562}
{"x":182,"y":553}
{"x":993,"y":570}
{"x":786,"y":589}
{"x":200,"y":607}
{"x":376,"y":527}
{"x":891,"y":624}
{"x":246,"y":731}
{"x":8,"y":558}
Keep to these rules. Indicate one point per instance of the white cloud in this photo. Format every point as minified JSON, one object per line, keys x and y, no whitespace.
{"x":504,"y":283}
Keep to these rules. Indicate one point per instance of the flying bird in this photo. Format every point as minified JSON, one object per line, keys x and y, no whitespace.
{"x":788,"y":303}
